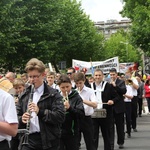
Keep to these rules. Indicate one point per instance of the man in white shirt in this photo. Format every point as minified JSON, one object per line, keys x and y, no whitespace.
{"x":127,"y":99}
{"x":8,"y":119}
{"x":107,"y":97}
{"x":89,"y":101}
{"x":50,"y":77}
{"x":71,"y":73}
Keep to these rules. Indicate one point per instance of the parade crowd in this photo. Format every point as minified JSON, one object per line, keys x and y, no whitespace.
{"x":45,"y":110}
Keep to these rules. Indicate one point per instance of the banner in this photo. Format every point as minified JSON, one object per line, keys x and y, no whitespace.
{"x":123,"y":67}
{"x":105,"y":66}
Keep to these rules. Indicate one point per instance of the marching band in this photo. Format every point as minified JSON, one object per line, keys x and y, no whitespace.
{"x":53,"y":117}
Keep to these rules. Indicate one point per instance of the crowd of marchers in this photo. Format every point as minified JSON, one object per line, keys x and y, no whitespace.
{"x":45,"y":110}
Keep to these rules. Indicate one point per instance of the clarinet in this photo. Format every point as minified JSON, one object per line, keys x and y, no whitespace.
{"x":24,"y":140}
{"x":30,"y":101}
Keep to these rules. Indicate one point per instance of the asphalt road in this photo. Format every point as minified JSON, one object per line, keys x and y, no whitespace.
{"x":139,"y":140}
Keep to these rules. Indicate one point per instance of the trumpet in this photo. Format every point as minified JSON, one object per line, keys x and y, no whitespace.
{"x":65,"y":98}
{"x":79,"y":90}
{"x":129,"y":81}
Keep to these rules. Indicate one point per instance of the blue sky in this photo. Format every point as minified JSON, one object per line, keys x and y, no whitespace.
{"x":102,"y":10}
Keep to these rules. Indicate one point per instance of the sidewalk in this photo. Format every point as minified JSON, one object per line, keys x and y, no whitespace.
{"x":139,"y":140}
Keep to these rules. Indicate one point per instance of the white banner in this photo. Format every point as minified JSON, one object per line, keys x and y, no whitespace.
{"x":105,"y":66}
{"x":123,"y":67}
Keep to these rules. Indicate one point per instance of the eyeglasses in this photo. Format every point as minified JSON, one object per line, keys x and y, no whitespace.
{"x":35,"y":76}
{"x":69,"y":73}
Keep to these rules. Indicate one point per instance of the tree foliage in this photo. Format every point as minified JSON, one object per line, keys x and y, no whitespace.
{"x":139,"y":13}
{"x":46,"y":29}
{"x":119,"y":45}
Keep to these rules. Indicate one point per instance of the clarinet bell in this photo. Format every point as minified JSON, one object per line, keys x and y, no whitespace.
{"x":26,"y":139}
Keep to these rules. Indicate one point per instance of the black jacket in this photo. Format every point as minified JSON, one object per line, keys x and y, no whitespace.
{"x":70,"y":126}
{"x":109,"y":93}
{"x":51,"y":114}
{"x":120,"y":88}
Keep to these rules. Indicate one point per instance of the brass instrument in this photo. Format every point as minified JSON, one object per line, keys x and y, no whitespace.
{"x":129,"y":81}
{"x":79,"y":90}
{"x":5,"y":85}
{"x":24,"y":138}
{"x":65,"y":98}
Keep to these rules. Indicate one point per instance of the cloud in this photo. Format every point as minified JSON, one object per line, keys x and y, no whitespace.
{"x":102,"y":10}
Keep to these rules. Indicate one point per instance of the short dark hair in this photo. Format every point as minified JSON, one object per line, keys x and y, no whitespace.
{"x":79,"y":76}
{"x":71,"y":68}
{"x":113,"y":70}
{"x":98,"y":70}
{"x":63,"y":79}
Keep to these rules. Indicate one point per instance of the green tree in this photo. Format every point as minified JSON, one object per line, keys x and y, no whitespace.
{"x":119,"y":45}
{"x":139,"y":13}
{"x":47,"y":29}
{"x":79,"y":37}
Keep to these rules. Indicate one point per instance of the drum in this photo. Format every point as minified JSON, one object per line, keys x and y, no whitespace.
{"x":99,"y":113}
{"x":5,"y":84}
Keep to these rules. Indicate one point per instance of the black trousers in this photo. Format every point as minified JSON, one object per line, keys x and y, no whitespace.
{"x":128,"y":116}
{"x":86,"y":127}
{"x":140,"y":104}
{"x":4,"y":145}
{"x":119,"y":121}
{"x":15,"y":142}
{"x":104,"y":123}
{"x":134,"y":111}
{"x":35,"y":143}
{"x":69,"y":142}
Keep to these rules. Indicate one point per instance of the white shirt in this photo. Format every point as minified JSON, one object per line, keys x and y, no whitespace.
{"x":73,"y":83}
{"x":34,"y":121}
{"x":99,"y":89}
{"x":7,"y":112}
{"x":55,"y":86}
{"x":133,"y":89}
{"x":129,"y":93}
{"x":88,"y":94}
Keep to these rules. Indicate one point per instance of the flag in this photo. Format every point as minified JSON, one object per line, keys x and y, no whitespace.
{"x":92,"y":68}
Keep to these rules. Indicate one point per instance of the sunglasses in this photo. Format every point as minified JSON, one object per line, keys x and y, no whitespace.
{"x":69,"y":73}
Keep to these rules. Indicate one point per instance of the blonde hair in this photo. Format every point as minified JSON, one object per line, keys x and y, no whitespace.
{"x":24,"y":75}
{"x":50,"y":73}
{"x":35,"y":64}
{"x":17,"y":82}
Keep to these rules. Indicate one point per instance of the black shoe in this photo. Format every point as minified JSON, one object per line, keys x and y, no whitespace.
{"x":129,"y":135}
{"x":121,"y":146}
{"x":112,"y":147}
{"x":140,"y":115}
{"x":135,"y":130}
